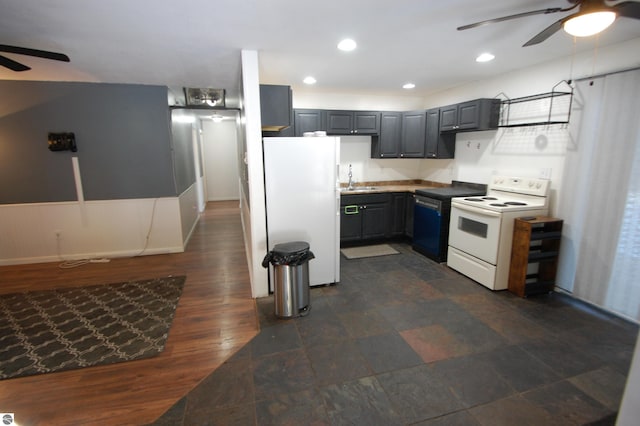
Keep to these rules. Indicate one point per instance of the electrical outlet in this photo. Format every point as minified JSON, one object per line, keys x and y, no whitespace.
{"x":545,"y":173}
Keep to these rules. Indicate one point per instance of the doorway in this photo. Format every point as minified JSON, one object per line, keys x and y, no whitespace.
{"x":220,"y":158}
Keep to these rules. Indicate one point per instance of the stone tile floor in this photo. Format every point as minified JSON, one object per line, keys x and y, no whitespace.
{"x":403,"y":340}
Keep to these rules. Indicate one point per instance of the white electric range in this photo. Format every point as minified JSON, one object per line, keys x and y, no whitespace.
{"x":481,"y":228}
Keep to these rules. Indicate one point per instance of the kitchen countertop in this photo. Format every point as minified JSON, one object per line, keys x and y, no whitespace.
{"x":389,"y":186}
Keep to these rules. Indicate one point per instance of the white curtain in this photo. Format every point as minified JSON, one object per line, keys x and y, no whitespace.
{"x":600,"y":195}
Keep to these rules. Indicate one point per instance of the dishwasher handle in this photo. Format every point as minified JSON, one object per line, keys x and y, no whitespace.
{"x":430,"y":204}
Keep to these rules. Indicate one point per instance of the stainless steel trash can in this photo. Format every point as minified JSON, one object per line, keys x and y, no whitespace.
{"x":290,"y":263}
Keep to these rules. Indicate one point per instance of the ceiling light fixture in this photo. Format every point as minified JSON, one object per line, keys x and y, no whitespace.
{"x":590,"y":23}
{"x":217,"y":118}
{"x":347,"y":45}
{"x":184,"y":119}
{"x":204,"y":97}
{"x":408,"y":86}
{"x":485,"y":57}
{"x":309,"y":80}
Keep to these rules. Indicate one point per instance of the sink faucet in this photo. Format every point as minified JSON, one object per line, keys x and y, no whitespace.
{"x":350,"y":184}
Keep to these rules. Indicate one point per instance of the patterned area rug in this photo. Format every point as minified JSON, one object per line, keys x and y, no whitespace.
{"x":56,"y":330}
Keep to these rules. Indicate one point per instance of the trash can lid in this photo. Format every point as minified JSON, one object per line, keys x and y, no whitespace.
{"x":290,"y":247}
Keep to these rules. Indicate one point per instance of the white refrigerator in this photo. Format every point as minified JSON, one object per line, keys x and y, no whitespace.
{"x":302,"y":195}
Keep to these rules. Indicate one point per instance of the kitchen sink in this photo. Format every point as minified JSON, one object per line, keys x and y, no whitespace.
{"x":359,"y":189}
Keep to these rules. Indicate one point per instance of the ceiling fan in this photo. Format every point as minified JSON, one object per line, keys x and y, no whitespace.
{"x":595,"y":14}
{"x":17,"y":66}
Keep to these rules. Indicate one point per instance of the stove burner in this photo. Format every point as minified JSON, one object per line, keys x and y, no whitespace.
{"x":474,"y":199}
{"x":489,"y":198}
{"x":498,"y":205}
{"x":515,"y":203}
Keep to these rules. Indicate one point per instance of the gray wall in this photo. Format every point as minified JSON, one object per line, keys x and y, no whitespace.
{"x":122,"y":133}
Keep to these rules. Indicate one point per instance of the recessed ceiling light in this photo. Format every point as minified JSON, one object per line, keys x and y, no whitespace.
{"x":485,"y":57}
{"x":347,"y":45}
{"x":309,"y":80}
{"x":409,"y":86}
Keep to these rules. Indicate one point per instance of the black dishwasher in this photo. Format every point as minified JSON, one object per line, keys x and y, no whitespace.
{"x":432,"y":209}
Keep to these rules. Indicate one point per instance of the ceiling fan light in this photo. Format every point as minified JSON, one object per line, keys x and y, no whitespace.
{"x":588,"y":24}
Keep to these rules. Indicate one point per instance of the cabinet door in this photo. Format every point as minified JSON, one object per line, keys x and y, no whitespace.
{"x":413,"y":134}
{"x":468,"y":115}
{"x":408,"y":221}
{"x":350,"y":223}
{"x":398,"y":205}
{"x":438,"y":145}
{"x":448,"y":118}
{"x":340,"y":122}
{"x":390,"y":135}
{"x":366,"y":122}
{"x":275,"y":107}
{"x":308,"y":120}
{"x":375,"y":220}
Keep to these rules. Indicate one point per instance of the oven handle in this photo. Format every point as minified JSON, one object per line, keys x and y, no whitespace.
{"x":476,"y":210}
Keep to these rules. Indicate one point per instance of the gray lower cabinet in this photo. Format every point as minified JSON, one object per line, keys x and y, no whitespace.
{"x":369,"y":217}
{"x":364,"y":217}
{"x":398,"y":214}
{"x":408,"y":216}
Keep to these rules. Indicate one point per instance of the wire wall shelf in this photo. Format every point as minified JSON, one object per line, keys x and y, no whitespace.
{"x":538,"y":110}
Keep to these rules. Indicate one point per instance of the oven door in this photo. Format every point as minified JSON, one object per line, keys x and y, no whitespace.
{"x":475,"y":231}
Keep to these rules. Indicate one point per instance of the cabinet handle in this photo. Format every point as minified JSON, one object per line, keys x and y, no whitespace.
{"x":351,"y":210}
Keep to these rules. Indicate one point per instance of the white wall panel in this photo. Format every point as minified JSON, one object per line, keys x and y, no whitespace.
{"x":115,"y":228}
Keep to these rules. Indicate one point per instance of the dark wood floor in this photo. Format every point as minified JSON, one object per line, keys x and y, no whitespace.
{"x":215,"y":317}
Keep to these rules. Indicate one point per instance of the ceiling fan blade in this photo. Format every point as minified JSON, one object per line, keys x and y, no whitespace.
{"x":34,"y":52}
{"x":547,"y":32}
{"x":628,"y":9}
{"x":13,"y":65}
{"x":516,"y":16}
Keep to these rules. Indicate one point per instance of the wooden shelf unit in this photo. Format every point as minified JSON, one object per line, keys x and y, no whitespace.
{"x":536,"y":243}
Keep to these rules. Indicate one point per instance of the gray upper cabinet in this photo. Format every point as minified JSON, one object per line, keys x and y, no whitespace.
{"x":309,"y":120}
{"x":413,"y":134}
{"x":479,"y":114}
{"x":275,"y":107}
{"x":353,"y":122}
{"x":387,"y":144}
{"x":438,"y":145}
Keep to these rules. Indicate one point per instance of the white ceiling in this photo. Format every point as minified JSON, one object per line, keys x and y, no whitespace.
{"x":197,"y":43}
